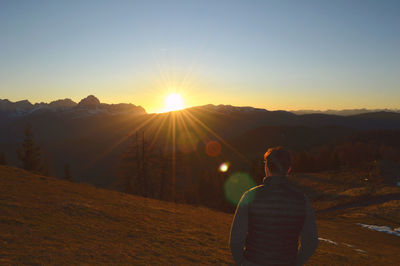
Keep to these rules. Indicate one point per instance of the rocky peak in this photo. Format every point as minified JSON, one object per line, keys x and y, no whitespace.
{"x":90,"y":101}
{"x":24,"y":104}
{"x":63,"y":103}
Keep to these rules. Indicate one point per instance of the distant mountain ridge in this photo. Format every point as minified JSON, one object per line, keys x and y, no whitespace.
{"x":91,"y":102}
{"x":221,"y":108}
{"x":90,"y":135}
{"x":87,"y":106}
{"x":344,"y":112}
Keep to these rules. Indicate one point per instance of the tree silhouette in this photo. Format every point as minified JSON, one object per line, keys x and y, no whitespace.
{"x":29,"y":153}
{"x":145,"y":171}
{"x":67,"y":172}
{"x":335,"y":164}
{"x":135,"y":168}
{"x":165,"y":164}
{"x":3,"y":160}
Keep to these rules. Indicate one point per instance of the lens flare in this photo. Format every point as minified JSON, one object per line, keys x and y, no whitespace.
{"x":213,"y":148}
{"x":223,"y":167}
{"x":236,"y":185}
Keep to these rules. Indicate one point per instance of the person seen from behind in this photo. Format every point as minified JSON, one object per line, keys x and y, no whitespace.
{"x":270,"y":219}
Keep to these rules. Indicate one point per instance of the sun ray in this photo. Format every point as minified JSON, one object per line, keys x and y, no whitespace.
{"x":195,"y":127}
{"x":173,"y":153}
{"x":169,"y":131}
{"x":164,"y":79}
{"x":217,"y":136}
{"x":155,"y":137}
{"x":186,"y":129}
{"x":117,"y":143}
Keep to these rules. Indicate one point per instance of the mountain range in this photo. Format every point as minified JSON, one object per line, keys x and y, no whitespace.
{"x":90,"y":135}
{"x":26,"y":107}
{"x":87,"y":106}
{"x":344,"y":112}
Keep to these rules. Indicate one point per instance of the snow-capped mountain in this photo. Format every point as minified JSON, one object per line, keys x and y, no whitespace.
{"x":86,"y":107}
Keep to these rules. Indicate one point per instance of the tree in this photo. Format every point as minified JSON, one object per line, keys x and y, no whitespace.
{"x":165,"y":165}
{"x":29,"y":153}
{"x":67,"y":172}
{"x":135,"y":167}
{"x":3,"y":160}
{"x":335,"y":164}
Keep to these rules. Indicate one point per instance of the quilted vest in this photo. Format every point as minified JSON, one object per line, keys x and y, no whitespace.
{"x":276,"y":217}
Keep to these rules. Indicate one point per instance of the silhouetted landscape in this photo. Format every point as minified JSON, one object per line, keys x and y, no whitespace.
{"x":92,"y":138}
{"x":168,"y":132}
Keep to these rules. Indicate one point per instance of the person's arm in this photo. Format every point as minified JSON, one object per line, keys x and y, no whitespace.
{"x":309,"y":236}
{"x":239,"y":231}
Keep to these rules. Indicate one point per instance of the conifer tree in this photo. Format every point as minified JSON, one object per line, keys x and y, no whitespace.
{"x":29,"y":153}
{"x":67,"y":172}
{"x":3,"y":160}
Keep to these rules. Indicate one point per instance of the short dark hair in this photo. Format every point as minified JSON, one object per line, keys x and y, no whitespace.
{"x":278,"y":160}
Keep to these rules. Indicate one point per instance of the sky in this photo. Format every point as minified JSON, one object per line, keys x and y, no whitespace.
{"x":285,"y":55}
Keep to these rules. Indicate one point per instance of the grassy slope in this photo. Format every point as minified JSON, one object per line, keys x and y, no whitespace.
{"x":377,"y":203}
{"x":49,"y":221}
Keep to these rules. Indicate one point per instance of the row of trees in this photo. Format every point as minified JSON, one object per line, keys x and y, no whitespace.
{"x":156,"y":173}
{"x":166,"y":174}
{"x":145,"y":171}
{"x":343,"y":156}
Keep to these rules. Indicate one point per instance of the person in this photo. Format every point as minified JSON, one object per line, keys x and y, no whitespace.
{"x":270,"y":218}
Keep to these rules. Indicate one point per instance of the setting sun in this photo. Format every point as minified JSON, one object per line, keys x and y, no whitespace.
{"x":173,"y":102}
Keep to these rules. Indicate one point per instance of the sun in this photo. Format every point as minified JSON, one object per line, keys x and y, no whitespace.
{"x":173,"y":102}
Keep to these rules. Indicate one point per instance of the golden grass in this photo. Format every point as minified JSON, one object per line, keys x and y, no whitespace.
{"x":45,"y":221}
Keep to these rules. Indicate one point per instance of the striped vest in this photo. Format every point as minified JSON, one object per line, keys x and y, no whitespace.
{"x":276,"y":217}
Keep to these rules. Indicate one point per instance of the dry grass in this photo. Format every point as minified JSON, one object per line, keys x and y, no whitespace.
{"x":331,"y":189}
{"x":49,"y":221}
{"x":45,"y":221}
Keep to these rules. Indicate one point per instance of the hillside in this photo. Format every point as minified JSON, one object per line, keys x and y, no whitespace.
{"x":90,"y":136}
{"x":48,"y":221}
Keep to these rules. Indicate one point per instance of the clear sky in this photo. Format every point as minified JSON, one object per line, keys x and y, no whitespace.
{"x":271,"y":54}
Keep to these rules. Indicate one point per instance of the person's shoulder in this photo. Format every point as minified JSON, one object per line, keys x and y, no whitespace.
{"x":249,"y":195}
{"x":254,"y":190}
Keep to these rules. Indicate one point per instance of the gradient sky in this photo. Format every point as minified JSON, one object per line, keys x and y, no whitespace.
{"x":270,"y":54}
